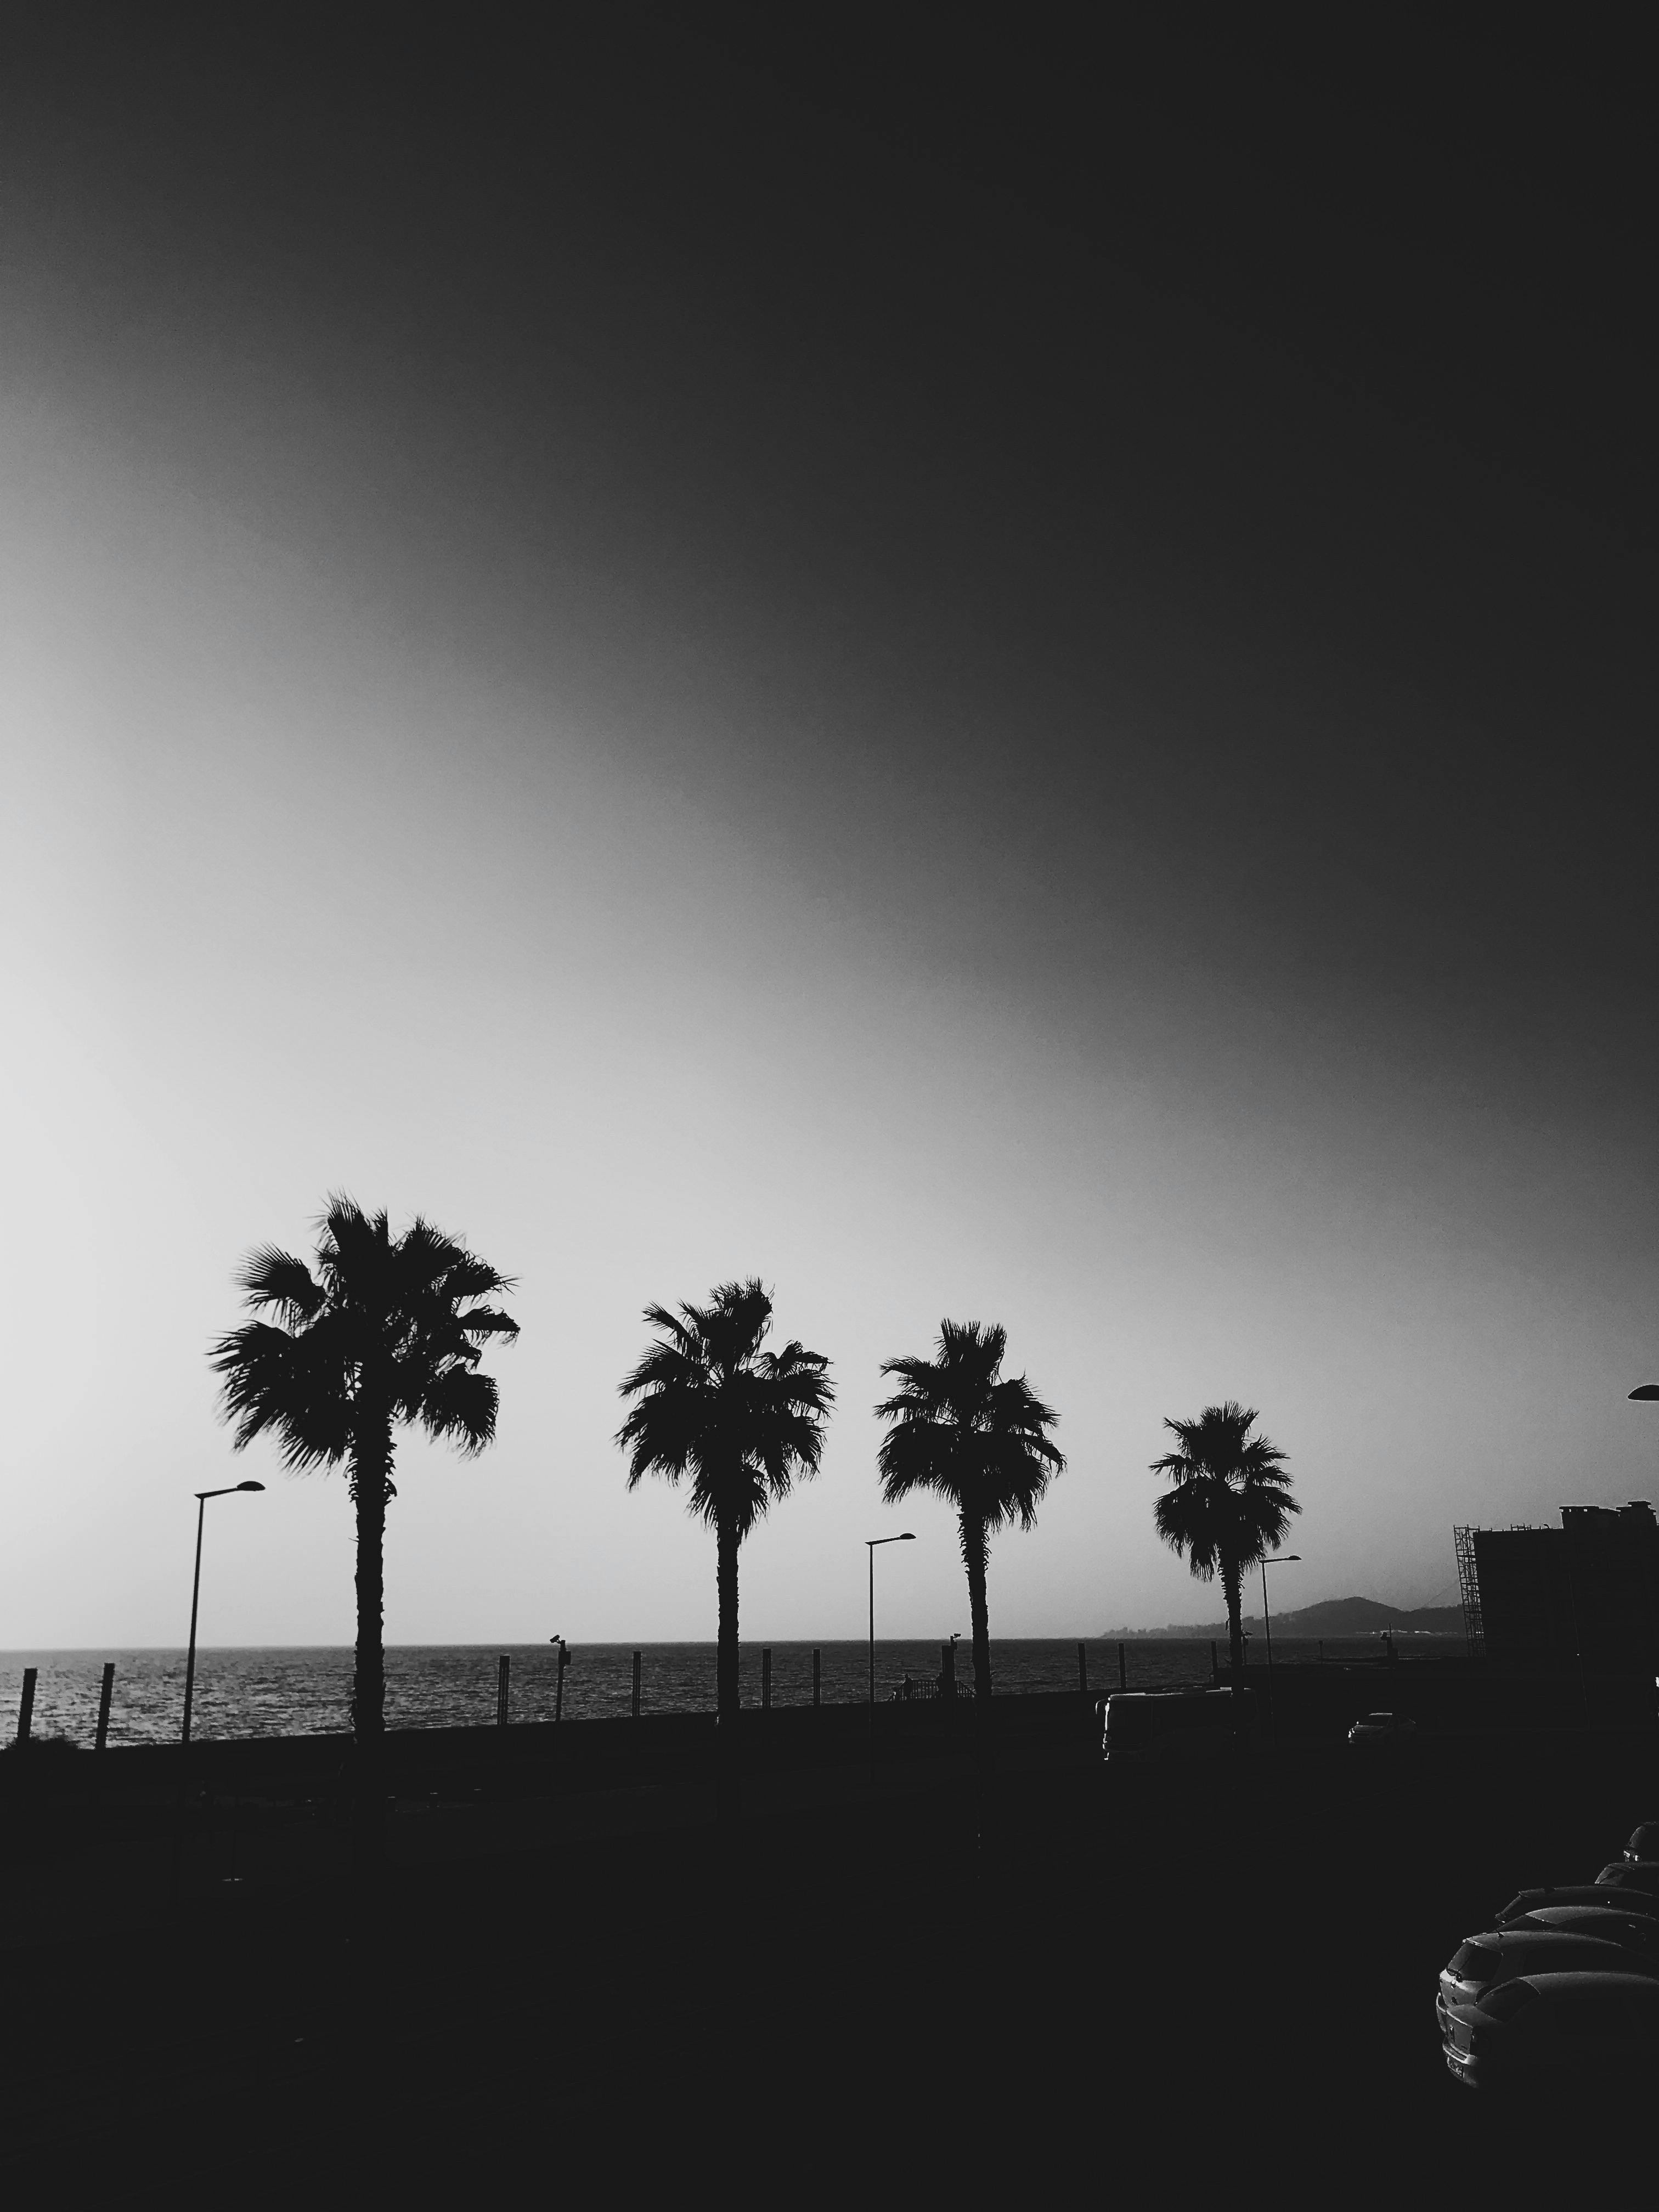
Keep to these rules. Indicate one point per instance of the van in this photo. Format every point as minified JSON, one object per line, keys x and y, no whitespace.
{"x":1155,"y":1726}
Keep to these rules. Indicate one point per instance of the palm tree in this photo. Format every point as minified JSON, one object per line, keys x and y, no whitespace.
{"x":387,"y":1331}
{"x":977,"y":1438}
{"x":741,"y":1423}
{"x":1231,"y":1505}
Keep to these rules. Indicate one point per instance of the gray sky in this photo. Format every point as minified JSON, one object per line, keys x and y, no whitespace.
{"x":690,"y":697}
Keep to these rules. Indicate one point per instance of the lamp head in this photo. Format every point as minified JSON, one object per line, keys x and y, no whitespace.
{"x":1648,"y":1390}
{"x":250,"y":1486}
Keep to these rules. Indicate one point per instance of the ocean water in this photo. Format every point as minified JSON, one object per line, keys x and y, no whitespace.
{"x":302,"y":1690}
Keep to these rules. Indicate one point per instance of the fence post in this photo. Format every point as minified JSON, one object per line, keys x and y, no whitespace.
{"x":103,"y":1704}
{"x":816,"y":1669}
{"x":1082,"y":1671}
{"x":503,"y":1668}
{"x":26,"y":1704}
{"x":636,"y":1686}
{"x":1215,"y":1668}
{"x":766,"y":1678}
{"x":947,"y":1670}
{"x":1123,"y":1666}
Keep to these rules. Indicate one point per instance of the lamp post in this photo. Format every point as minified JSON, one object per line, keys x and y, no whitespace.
{"x":202,"y":1498}
{"x":1287,"y":1559}
{"x":872,"y":1545}
{"x":1646,"y":1392}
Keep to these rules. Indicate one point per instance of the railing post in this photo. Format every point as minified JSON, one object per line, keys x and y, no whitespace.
{"x":1082,"y":1671}
{"x":1123,"y":1666}
{"x":817,"y":1657}
{"x":503,"y":1667}
{"x":103,"y":1704}
{"x":26,"y":1704}
{"x":766,"y":1678}
{"x":636,"y":1686}
{"x":947,"y":1670}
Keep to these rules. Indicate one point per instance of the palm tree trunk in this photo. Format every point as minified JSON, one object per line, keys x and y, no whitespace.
{"x":371,"y":1483}
{"x":979,"y":1620}
{"x":728,"y":1782}
{"x":1234,"y":1620}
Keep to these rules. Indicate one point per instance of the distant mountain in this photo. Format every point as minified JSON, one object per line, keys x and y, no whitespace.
{"x":1335,"y":1617}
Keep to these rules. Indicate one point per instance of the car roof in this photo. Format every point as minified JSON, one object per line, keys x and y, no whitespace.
{"x":1619,"y":1874}
{"x":1518,"y":1933}
{"x":1597,"y":1915}
{"x":1578,"y":1979}
{"x":1586,"y":1893}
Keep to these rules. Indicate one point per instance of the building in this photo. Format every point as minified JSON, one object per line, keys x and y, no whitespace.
{"x":1582,"y":1598}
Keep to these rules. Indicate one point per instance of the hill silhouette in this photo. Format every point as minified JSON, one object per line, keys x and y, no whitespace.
{"x":1334,"y":1616}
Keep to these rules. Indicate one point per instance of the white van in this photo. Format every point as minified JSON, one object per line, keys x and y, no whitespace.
{"x":1143,"y":1726}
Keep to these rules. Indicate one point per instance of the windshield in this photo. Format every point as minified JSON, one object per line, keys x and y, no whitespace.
{"x":1476,"y":1962}
{"x":1504,"y":2001}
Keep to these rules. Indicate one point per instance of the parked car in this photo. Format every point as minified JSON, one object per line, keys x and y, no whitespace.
{"x":1183,"y":1725}
{"x":1601,"y":2027}
{"x":1642,"y":1878}
{"x":1580,"y":1892}
{"x":1382,"y":1729}
{"x":1482,"y":1962}
{"x":1643,"y":1842}
{"x":1631,"y":1931}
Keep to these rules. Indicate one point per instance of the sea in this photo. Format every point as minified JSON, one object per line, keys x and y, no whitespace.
{"x":306,"y":1689}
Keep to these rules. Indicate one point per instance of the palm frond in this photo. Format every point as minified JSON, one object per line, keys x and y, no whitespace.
{"x":739,"y":1423}
{"x":488,"y":1321}
{"x":917,"y":1456}
{"x":961,"y":1429}
{"x":660,"y":1367}
{"x":277,"y":1381}
{"x":385,"y":1328}
{"x":1230,"y":1501}
{"x":472,"y":1277}
{"x":350,"y":1237}
{"x":662,"y":1433}
{"x":274,"y":1278}
{"x":461,"y":1406}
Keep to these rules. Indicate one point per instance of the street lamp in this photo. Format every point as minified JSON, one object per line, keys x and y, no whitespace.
{"x":1288,"y":1558}
{"x":202,"y":1498}
{"x":1648,"y":1390}
{"x":872,"y":1545}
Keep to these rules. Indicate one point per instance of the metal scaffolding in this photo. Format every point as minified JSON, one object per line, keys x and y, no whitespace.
{"x":1469,"y":1589}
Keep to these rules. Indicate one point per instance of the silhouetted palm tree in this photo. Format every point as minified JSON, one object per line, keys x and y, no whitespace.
{"x":741,"y":1423}
{"x":962,"y":1429}
{"x":388,"y":1330}
{"x":1231,"y":1505}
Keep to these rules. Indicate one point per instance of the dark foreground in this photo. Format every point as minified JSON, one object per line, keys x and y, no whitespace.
{"x":1153,"y":1982}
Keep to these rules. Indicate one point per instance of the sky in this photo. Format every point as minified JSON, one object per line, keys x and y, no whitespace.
{"x":693,"y":673}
